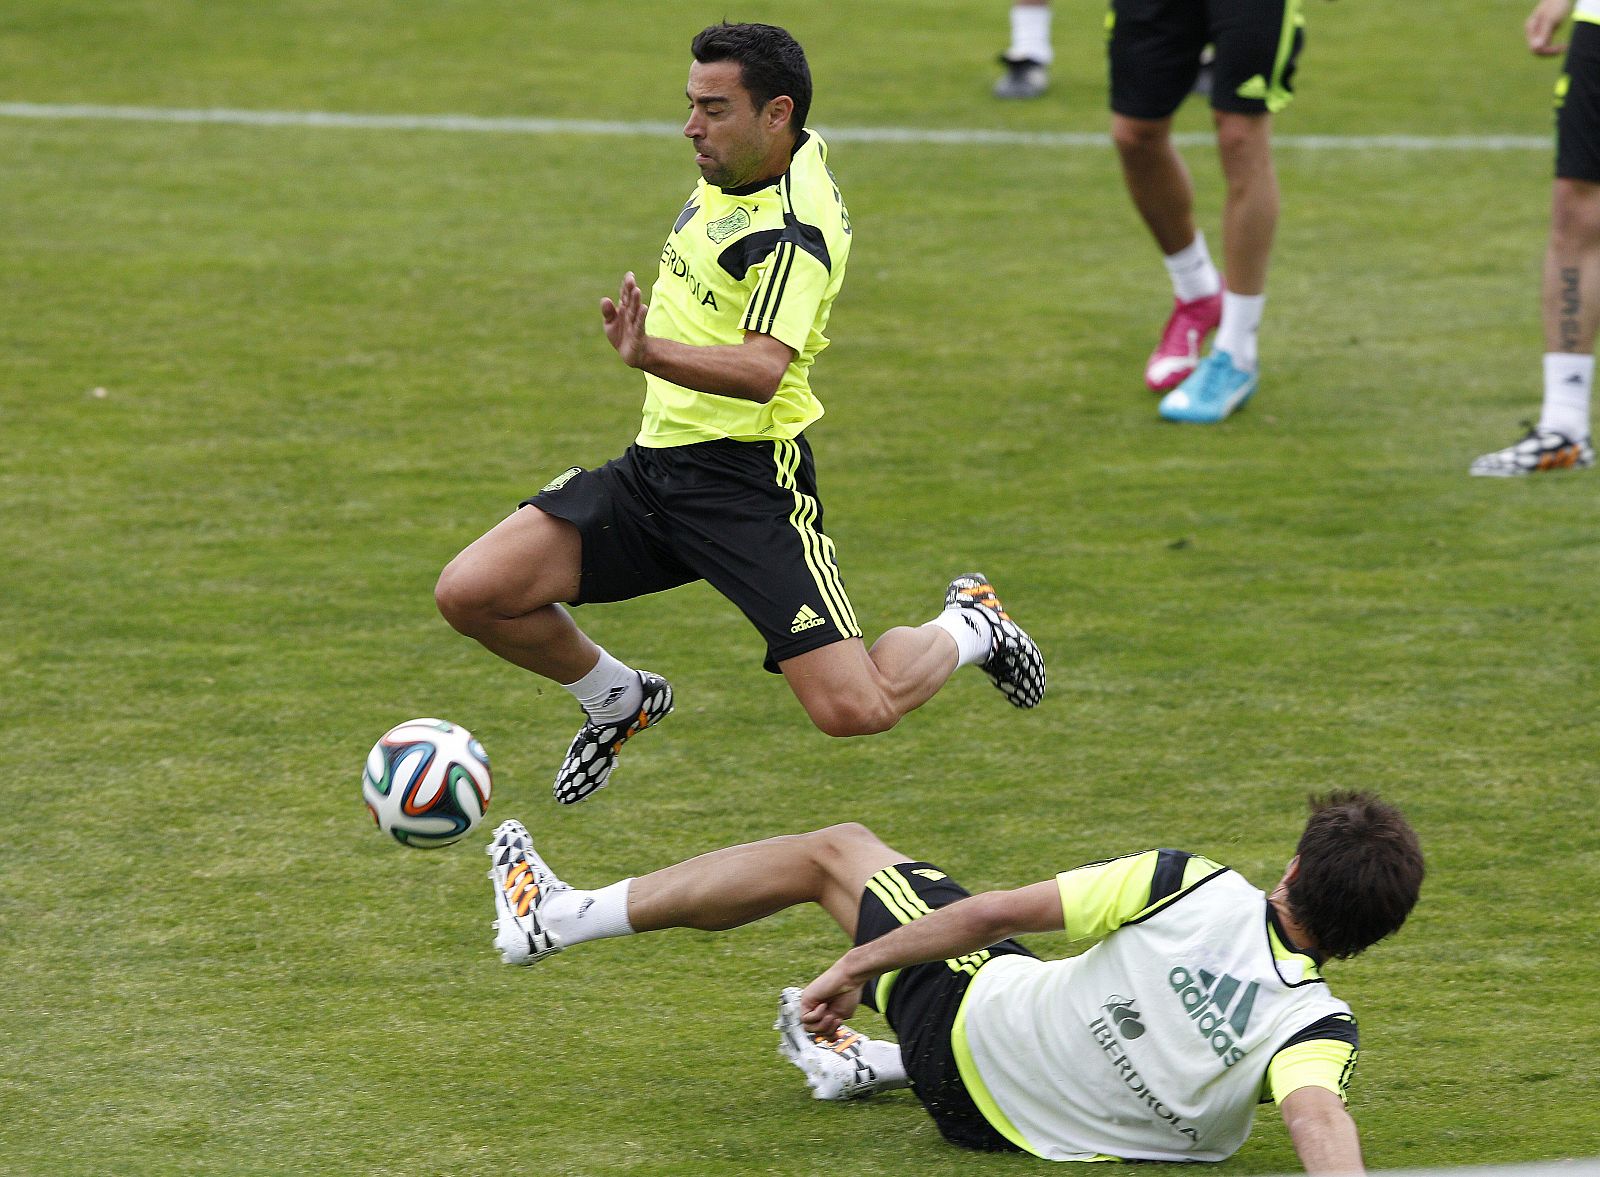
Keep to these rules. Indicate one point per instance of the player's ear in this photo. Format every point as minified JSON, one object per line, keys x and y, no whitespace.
{"x":778,"y":113}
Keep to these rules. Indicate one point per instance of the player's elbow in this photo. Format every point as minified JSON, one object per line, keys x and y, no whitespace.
{"x":764,"y":385}
{"x":990,"y":916}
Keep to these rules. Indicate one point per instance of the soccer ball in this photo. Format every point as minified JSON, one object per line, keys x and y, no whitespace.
{"x":426,"y":783}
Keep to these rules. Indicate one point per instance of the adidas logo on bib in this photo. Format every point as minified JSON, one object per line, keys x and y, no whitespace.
{"x":806,"y":619}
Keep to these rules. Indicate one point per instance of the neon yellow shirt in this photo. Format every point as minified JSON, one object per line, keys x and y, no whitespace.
{"x":769,"y":259}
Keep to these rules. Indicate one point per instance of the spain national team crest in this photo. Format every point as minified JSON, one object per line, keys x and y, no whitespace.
{"x":561,"y":480}
{"x":735,"y":222}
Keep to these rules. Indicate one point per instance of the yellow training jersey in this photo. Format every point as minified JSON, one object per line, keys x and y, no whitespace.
{"x":768,"y":258}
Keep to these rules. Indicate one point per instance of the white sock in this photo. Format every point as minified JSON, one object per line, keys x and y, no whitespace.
{"x":575,"y":916}
{"x":1567,"y":381}
{"x":609,"y":692}
{"x":1030,"y":34}
{"x":974,"y":636}
{"x":1193,"y":273}
{"x":1241,"y":319}
{"x":886,"y":1062}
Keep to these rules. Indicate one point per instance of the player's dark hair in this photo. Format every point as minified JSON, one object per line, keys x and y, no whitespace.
{"x":1360,"y":872}
{"x":771,"y":63}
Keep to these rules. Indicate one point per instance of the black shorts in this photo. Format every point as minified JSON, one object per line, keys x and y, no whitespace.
{"x":1578,"y":107}
{"x":920,"y":1003}
{"x":741,"y":515}
{"x":1155,"y":48}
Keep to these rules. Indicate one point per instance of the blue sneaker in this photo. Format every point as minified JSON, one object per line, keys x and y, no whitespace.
{"x":1213,"y":390}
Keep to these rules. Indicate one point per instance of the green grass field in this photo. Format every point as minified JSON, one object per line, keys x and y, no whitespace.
{"x":333,"y":357}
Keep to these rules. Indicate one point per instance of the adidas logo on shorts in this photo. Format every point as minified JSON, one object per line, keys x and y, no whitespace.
{"x":806,"y":619}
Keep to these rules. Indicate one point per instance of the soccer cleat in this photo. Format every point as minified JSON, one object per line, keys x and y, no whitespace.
{"x":522,"y":884}
{"x":1214,"y":390}
{"x":1178,"y":353}
{"x":1539,"y":452}
{"x":1024,"y":78}
{"x":835,"y":1066}
{"x":1015,"y":664}
{"x":593,"y":753}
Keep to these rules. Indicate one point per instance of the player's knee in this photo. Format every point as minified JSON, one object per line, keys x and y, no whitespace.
{"x":1244,"y":145}
{"x":846,"y":836}
{"x":854,"y":716}
{"x":1575,"y":213}
{"x":847,"y":841}
{"x":1135,"y":137}
{"x":460,"y":597}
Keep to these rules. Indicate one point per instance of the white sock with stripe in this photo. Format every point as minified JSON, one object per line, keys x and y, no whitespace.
{"x":974,"y":636}
{"x":1236,"y":334}
{"x":1568,"y":378}
{"x":574,"y":916}
{"x":1193,"y":273}
{"x":888,"y":1066}
{"x":610,"y":692}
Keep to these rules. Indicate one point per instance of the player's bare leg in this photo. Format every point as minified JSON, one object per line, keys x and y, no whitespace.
{"x":741,"y":884}
{"x":1157,"y":179}
{"x":1571,"y":290}
{"x":504,"y":590}
{"x":1227,"y":377}
{"x":538,"y":915}
{"x":1570,"y":301}
{"x":713,"y":892}
{"x":1163,"y":193}
{"x":1250,"y":208}
{"x":848,"y":690}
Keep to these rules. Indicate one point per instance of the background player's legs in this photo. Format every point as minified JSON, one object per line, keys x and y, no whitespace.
{"x":1157,"y":179}
{"x":1163,"y":192}
{"x":1571,"y":306}
{"x":1227,"y":377}
{"x":1027,"y":59}
{"x":503,"y":588}
{"x":1249,"y":222}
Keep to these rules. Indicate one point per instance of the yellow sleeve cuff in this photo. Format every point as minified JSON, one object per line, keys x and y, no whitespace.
{"x":1096,"y":899}
{"x":1321,"y":1062}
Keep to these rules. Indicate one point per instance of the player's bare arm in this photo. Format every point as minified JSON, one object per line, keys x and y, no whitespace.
{"x":968,"y":926}
{"x":1542,"y":24}
{"x":1323,"y":1133}
{"x":750,"y":371}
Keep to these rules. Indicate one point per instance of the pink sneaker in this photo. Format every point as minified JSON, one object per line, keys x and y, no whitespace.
{"x":1178,"y":353}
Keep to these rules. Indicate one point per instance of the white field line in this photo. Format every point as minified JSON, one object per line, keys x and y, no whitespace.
{"x":950,"y":137}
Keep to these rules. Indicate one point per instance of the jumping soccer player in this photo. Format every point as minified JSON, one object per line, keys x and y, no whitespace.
{"x":1156,"y":49}
{"x":1571,"y":294}
{"x":719,"y":484}
{"x":1204,"y":996}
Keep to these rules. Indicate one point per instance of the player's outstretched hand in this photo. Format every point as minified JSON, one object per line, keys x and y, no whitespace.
{"x":829,"y":1000}
{"x":624,"y":322}
{"x":1542,"y":23}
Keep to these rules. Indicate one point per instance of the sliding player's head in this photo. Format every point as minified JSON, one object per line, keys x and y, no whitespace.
{"x":1357,"y":872}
